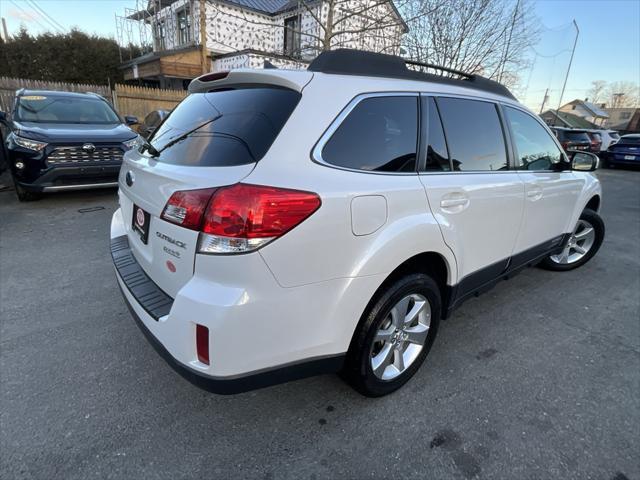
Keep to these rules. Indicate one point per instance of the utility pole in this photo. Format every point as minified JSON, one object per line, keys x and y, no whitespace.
{"x":616,"y":99}
{"x":573,"y":50}
{"x":203,"y":36}
{"x":4,"y":29}
{"x":544,"y":100}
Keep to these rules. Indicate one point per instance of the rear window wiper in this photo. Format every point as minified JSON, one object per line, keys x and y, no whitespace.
{"x":182,"y":137}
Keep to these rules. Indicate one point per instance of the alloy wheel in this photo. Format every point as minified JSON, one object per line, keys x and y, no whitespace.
{"x":401,"y":337}
{"x":579,"y":244}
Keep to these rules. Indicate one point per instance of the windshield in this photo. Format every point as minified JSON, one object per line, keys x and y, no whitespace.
{"x":226,"y":127}
{"x":59,"y":109}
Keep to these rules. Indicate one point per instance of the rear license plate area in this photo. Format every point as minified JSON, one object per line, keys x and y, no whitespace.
{"x":140,"y":223}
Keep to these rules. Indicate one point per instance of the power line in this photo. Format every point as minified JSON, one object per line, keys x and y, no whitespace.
{"x":48,"y":18}
{"x":30,"y":16}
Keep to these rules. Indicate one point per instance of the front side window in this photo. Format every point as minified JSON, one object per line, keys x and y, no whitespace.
{"x":474,"y":134}
{"x":184,"y":27}
{"x":379,"y":135}
{"x":535,"y":148}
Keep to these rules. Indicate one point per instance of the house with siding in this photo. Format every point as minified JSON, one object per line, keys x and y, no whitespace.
{"x":587,"y":110}
{"x":191,"y":37}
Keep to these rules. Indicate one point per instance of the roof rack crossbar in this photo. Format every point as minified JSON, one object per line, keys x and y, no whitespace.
{"x":438,"y":67}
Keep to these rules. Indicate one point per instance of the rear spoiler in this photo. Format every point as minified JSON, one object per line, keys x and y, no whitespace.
{"x":293,"y":79}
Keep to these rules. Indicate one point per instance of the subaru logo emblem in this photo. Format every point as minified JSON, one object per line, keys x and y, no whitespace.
{"x":129,"y":178}
{"x":88,"y":147}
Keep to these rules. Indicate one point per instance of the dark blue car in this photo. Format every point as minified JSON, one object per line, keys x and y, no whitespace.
{"x":64,"y":141}
{"x":625,"y":152}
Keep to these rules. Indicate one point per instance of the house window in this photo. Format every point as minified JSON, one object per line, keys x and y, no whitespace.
{"x":625,"y":115}
{"x":184,"y":26}
{"x":292,"y":36}
{"x":161,"y":35}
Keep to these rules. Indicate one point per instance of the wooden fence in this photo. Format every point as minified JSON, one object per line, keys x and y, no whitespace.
{"x":127,"y":99}
{"x":139,"y":101}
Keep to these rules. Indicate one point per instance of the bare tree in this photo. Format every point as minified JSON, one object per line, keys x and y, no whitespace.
{"x":327,"y":24}
{"x":596,"y":93}
{"x":488,"y":37}
{"x":622,"y":94}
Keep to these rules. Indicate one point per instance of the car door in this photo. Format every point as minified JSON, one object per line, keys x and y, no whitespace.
{"x":551,"y":188}
{"x":476,"y":199}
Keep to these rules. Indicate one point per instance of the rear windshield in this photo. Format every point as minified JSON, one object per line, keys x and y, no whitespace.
{"x":224,"y":127}
{"x":576,"y":136}
{"x":629,"y":140}
{"x":58,"y":109}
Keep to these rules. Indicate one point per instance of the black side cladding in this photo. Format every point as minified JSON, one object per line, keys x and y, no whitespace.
{"x":345,"y":61}
{"x":155,"y":302}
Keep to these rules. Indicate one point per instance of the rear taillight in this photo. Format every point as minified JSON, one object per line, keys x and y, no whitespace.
{"x":187,"y":208}
{"x":565,"y":145}
{"x":239,"y":218}
{"x":242,"y":218}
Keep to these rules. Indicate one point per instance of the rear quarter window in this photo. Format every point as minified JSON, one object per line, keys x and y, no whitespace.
{"x":380,"y":134}
{"x":227,"y":127}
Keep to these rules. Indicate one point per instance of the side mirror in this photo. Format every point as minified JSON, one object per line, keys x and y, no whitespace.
{"x":583,"y":161}
{"x":130,"y":120}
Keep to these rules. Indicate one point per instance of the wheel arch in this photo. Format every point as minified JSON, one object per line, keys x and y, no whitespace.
{"x":593,"y":203}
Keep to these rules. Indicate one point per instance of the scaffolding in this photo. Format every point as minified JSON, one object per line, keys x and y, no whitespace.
{"x":152,"y":26}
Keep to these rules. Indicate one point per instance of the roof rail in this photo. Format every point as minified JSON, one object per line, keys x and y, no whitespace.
{"x":345,"y":61}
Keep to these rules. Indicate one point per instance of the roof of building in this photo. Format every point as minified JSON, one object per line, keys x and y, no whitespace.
{"x":569,"y":120}
{"x":593,"y":108}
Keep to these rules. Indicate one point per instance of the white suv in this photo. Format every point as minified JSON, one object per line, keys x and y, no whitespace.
{"x":281,"y":224}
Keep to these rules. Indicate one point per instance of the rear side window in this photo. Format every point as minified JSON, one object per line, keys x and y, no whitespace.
{"x":535,"y":148}
{"x":437,"y":156}
{"x":379,"y":135}
{"x":229,"y":127}
{"x":474,"y":134}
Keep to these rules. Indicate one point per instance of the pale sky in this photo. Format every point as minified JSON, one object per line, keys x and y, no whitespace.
{"x":608,"y":45}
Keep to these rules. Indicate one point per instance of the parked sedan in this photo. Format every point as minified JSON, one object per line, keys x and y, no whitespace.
{"x":151,"y":122}
{"x":625,"y":152}
{"x":572,"y":139}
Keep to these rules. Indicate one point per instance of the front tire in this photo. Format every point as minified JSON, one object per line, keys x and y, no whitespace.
{"x":394,"y":336}
{"x":583,"y":244}
{"x":23,"y":194}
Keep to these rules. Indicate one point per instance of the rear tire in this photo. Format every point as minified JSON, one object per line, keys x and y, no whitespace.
{"x":394,"y":336}
{"x":584,"y":243}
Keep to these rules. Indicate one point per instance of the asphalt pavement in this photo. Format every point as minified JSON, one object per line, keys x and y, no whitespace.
{"x":537,"y":379}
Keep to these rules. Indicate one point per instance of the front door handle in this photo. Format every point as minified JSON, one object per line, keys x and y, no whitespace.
{"x":454,"y":202}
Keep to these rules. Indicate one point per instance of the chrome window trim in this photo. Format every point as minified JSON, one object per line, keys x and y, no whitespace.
{"x":316,"y":152}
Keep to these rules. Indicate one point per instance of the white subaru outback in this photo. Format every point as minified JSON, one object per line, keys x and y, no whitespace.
{"x":281,"y":224}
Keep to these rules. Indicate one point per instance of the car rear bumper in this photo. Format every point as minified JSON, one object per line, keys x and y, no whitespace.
{"x":259,"y":332}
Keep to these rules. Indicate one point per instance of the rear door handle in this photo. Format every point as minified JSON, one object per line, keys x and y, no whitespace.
{"x":534,"y":192}
{"x":454,"y":202}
